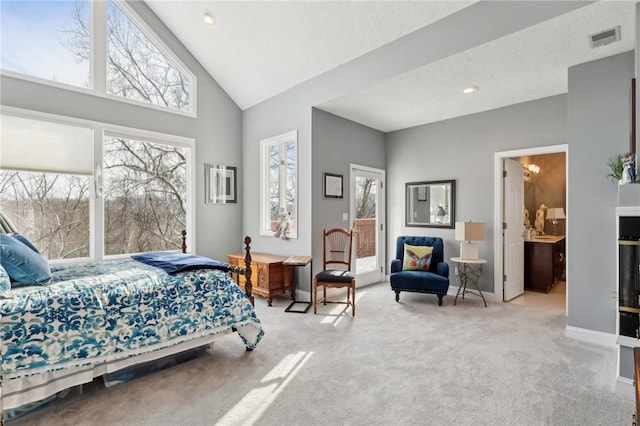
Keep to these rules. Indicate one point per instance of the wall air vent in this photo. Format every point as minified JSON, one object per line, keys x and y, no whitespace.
{"x":605,"y":37}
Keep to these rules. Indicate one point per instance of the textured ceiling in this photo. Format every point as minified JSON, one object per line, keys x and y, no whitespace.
{"x":260,"y":49}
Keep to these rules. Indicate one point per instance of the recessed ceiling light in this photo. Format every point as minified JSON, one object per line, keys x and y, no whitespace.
{"x":470,"y":89}
{"x":209,"y":18}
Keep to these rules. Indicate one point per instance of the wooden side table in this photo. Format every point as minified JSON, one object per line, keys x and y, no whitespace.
{"x":300,"y":261}
{"x":469,"y":270}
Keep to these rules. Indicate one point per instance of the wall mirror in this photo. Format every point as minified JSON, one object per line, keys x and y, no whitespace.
{"x":431,"y":204}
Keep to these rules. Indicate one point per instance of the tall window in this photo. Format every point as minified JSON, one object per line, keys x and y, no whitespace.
{"x":54,"y":41}
{"x":47,"y":188}
{"x":279,"y":185}
{"x":145,"y":195}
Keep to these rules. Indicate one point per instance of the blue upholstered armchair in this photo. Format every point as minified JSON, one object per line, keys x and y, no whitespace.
{"x":434,"y":280}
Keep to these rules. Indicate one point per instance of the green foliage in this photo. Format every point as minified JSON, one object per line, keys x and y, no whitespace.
{"x":616,"y":165}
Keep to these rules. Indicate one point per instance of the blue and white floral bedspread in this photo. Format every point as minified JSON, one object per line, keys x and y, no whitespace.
{"x":102,"y":311}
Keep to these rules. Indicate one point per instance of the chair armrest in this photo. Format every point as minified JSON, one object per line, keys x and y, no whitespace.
{"x":442,"y":268}
{"x":396,"y":266}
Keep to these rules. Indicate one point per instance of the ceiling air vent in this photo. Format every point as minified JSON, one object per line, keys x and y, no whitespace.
{"x":605,"y":37}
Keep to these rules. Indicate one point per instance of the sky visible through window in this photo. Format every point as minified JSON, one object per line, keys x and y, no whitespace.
{"x":31,"y":40}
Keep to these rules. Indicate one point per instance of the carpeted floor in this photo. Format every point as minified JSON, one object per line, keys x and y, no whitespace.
{"x":408,"y":363}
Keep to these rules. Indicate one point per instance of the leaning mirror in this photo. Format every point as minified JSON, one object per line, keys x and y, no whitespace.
{"x":431,"y":204}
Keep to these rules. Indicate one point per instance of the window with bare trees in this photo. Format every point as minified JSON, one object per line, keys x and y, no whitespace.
{"x":51,"y":210}
{"x":138,"y":69}
{"x":48,"y":189}
{"x":144,"y":195}
{"x":279,"y":183}
{"x":33,"y":37}
{"x":55,"y":172}
{"x":54,"y":41}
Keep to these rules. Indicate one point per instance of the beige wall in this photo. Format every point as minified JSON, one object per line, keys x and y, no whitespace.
{"x":549,"y":187}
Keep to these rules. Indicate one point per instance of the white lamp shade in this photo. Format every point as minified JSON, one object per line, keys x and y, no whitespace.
{"x":470,"y":231}
{"x":555,"y":213}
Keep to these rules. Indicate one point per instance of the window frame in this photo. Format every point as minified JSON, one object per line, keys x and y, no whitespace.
{"x":265,"y":205}
{"x":98,"y":74}
{"x":96,"y":202}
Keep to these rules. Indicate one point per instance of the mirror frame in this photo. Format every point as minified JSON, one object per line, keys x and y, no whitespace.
{"x":409,"y":202}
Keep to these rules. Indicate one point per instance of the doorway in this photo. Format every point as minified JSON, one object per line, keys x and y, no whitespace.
{"x":367,"y":208}
{"x":545,"y":171}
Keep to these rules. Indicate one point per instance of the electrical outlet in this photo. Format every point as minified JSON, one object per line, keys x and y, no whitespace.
{"x":456,"y":270}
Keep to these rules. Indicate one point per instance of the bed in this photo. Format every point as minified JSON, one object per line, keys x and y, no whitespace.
{"x":98,"y":318}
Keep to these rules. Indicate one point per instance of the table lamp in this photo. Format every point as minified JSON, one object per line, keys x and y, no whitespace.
{"x":467,"y":233}
{"x":553,"y":214}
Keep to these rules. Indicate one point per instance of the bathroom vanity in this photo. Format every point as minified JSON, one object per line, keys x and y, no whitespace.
{"x":543,"y":262}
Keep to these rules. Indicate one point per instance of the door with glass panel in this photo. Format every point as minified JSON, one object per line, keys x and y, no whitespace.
{"x":368,"y":218}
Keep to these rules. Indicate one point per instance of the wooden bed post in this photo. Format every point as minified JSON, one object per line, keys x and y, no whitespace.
{"x":184,"y":241}
{"x":248,"y":288}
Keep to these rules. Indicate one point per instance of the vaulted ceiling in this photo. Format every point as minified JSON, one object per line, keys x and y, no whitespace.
{"x":257,"y":50}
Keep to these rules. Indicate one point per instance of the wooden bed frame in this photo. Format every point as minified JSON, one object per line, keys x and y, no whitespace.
{"x":235,"y":269}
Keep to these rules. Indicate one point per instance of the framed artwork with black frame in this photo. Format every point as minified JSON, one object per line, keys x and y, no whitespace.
{"x":332,"y":185}
{"x":220,"y":184}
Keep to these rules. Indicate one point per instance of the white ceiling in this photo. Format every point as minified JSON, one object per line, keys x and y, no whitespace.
{"x":257,"y":50}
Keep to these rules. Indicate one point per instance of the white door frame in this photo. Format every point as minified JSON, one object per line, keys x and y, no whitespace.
{"x":498,"y":240}
{"x":380,"y":214}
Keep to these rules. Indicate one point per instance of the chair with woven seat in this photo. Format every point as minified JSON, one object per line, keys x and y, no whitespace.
{"x":336,"y":268}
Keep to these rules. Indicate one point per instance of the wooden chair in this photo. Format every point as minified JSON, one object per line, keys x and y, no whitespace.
{"x":336,"y":267}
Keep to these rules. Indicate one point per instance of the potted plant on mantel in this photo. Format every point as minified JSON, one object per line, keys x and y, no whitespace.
{"x":623,"y":168}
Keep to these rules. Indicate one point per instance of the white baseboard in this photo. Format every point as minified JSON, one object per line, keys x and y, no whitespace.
{"x":591,"y":336}
{"x":625,"y":388}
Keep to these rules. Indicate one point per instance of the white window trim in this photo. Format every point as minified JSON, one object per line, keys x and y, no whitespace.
{"x":96,"y":205}
{"x":98,"y":63}
{"x":264,"y":178}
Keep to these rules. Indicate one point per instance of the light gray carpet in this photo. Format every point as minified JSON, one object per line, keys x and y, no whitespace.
{"x":408,"y":363}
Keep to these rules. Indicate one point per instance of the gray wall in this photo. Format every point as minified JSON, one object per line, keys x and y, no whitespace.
{"x":271,"y":118}
{"x":337,"y":143}
{"x":463,"y":149}
{"x":598,"y":128}
{"x":217,"y":132}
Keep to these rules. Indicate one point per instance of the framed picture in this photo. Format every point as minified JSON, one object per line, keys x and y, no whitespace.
{"x":332,"y":185}
{"x":431,"y":204}
{"x":220,"y":184}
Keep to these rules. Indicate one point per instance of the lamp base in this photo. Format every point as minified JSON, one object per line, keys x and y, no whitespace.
{"x":468,"y":250}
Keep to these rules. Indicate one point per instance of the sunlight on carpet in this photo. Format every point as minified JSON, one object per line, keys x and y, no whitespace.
{"x":340,"y":311}
{"x":251,"y":407}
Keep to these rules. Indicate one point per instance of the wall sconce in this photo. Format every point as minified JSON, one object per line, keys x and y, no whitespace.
{"x":531,"y":170}
{"x":466,"y":232}
{"x":554,"y":214}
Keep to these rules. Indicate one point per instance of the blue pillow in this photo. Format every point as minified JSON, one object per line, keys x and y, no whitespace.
{"x":23,"y":264}
{"x":5,"y":282}
{"x":24,"y":241}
